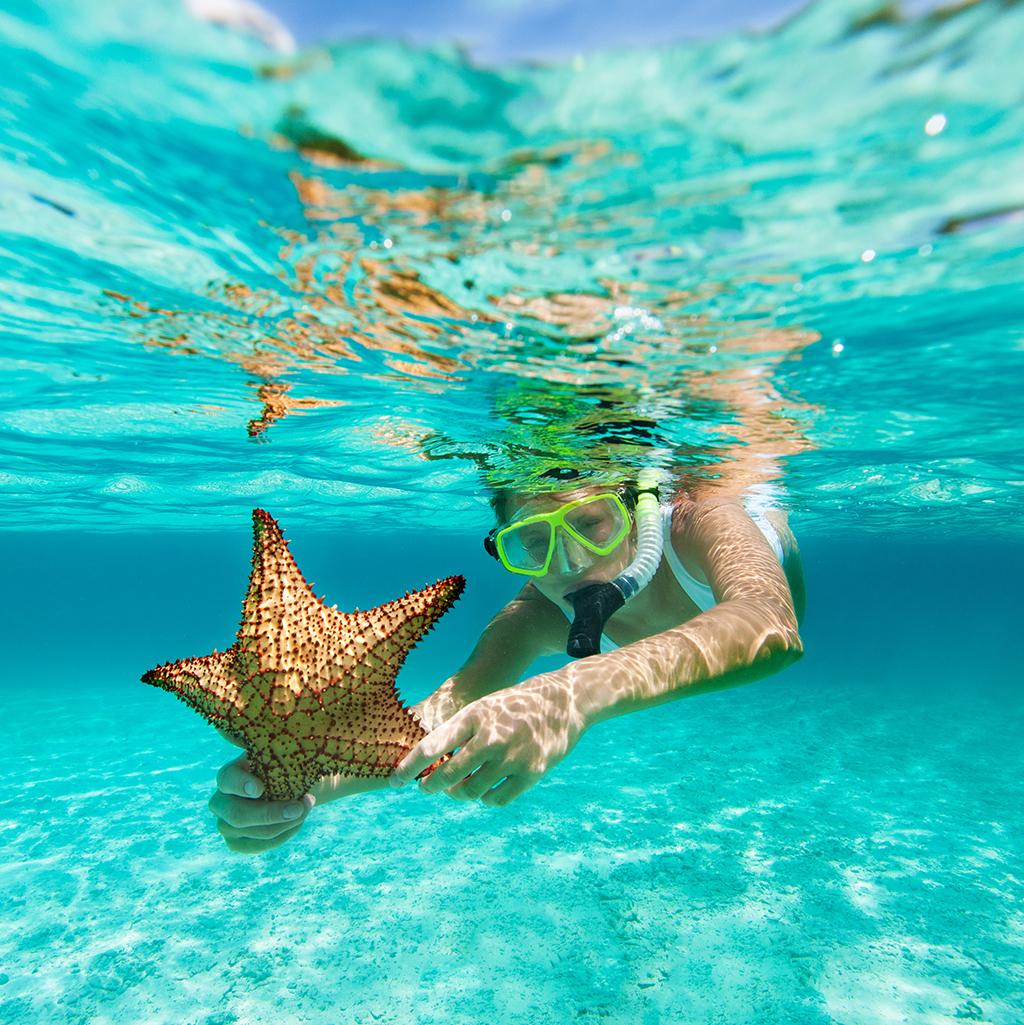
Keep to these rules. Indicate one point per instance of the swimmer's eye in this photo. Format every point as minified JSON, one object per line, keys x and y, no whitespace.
{"x":534,"y":541}
{"x":593,"y":527}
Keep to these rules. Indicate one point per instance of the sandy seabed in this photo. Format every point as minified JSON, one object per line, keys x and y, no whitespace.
{"x":757,"y":855}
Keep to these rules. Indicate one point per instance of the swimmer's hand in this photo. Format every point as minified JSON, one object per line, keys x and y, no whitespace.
{"x":249,"y":824}
{"x":506,"y":742}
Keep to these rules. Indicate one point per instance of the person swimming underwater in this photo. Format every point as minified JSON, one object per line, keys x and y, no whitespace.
{"x":657,"y":602}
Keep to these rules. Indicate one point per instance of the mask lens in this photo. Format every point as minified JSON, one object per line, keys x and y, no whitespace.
{"x":526,"y":547}
{"x":599,"y":522}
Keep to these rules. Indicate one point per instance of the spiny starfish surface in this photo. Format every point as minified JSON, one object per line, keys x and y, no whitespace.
{"x":308,"y":690}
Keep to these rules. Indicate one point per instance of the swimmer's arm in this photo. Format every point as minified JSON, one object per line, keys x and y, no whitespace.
{"x":523,"y":631}
{"x":751,"y":633}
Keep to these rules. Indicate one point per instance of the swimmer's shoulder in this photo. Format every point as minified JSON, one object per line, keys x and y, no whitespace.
{"x":698,"y":521}
{"x":689,"y":513}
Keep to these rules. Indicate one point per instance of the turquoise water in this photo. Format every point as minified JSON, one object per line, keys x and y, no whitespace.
{"x":362,"y":288}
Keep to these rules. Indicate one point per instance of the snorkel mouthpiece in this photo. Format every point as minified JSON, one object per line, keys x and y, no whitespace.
{"x":595,"y":604}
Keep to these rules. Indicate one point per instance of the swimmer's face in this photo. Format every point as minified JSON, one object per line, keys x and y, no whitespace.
{"x":572,"y":565}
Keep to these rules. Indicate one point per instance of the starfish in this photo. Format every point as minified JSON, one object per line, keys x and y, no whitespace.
{"x":307,"y":690}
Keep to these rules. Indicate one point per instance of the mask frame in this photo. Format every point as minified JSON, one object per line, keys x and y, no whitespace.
{"x":556,"y":520}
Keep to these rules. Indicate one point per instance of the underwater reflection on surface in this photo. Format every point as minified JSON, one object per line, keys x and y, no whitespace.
{"x":456,"y":278}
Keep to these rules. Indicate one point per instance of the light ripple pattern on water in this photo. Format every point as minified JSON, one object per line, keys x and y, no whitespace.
{"x":786,"y":260}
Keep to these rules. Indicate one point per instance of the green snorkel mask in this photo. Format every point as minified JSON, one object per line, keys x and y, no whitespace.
{"x":597,"y":523}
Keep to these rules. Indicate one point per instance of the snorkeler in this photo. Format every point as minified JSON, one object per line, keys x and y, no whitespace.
{"x":665,"y":602}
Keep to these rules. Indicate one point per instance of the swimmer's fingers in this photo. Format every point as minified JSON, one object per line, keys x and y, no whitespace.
{"x":474,"y":787}
{"x":509,"y":790}
{"x":447,"y":737}
{"x":247,"y":845}
{"x":244,"y":813}
{"x":255,"y":832}
{"x":237,"y":778}
{"x":469,"y":758}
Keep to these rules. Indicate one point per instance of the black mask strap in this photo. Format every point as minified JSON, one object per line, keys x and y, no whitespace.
{"x":490,"y":547}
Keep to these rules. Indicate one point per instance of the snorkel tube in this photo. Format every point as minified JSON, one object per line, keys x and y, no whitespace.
{"x":595,"y":604}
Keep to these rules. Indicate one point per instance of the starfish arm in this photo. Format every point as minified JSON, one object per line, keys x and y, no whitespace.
{"x":204,"y":684}
{"x":279,"y":605}
{"x":372,"y":645}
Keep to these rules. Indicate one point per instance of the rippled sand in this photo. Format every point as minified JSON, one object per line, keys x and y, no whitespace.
{"x":773,"y":854}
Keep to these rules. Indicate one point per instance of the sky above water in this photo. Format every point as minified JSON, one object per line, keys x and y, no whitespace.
{"x":498,"y":30}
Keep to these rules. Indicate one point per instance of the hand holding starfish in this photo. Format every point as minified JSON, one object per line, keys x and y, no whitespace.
{"x":308,"y":691}
{"x":506,"y":742}
{"x":250,"y":824}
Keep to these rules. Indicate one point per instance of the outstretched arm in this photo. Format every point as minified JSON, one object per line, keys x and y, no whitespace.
{"x":751,"y":632}
{"x":509,"y":740}
{"x":527,"y":628}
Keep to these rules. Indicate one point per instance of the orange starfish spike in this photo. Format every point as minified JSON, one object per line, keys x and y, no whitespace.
{"x":308,"y":690}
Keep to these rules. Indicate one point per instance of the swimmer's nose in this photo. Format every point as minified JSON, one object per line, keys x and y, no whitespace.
{"x":570,"y":557}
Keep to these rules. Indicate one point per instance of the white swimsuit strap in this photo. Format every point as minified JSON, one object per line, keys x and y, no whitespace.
{"x":698,"y":592}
